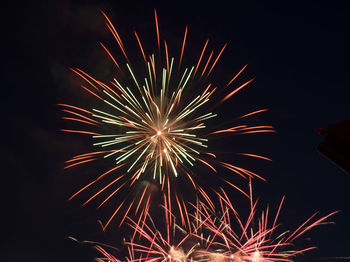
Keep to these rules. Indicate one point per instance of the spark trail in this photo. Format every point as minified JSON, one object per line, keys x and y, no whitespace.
{"x":257,"y":239}
{"x":214,"y":238}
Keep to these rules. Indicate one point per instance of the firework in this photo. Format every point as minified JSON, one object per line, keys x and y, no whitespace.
{"x":214,"y":238}
{"x":172,"y":247}
{"x":154,"y":127}
{"x":258,"y":239}
{"x":149,"y":243}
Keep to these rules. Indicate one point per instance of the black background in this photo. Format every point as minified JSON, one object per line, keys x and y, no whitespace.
{"x":298,"y":54}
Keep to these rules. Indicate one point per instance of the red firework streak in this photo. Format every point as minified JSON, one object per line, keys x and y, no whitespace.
{"x":217,"y":239}
{"x":148,"y":243}
{"x":258,"y":238}
{"x":158,"y":125}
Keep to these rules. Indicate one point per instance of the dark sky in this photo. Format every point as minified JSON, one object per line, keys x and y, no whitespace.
{"x":298,"y":54}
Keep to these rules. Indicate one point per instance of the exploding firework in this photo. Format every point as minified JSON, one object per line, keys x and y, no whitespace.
{"x":172,"y":247}
{"x":215,"y":238}
{"x":149,"y":243}
{"x":256,"y":240}
{"x":154,"y":127}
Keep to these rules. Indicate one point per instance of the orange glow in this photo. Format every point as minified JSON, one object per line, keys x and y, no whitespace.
{"x":157,"y":28}
{"x":183,"y":46}
{"x":139,"y":42}
{"x":234,"y":78}
{"x":236,"y":90}
{"x":206,"y":65}
{"x":115,"y":62}
{"x":200,"y":58}
{"x":80,"y":132}
{"x":217,"y":58}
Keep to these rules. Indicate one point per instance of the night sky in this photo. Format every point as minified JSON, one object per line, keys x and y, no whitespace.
{"x":298,"y":53}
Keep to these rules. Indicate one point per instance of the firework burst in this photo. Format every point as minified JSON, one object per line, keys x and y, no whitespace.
{"x":215,"y":238}
{"x":258,"y":239}
{"x":149,"y":243}
{"x":154,"y":128}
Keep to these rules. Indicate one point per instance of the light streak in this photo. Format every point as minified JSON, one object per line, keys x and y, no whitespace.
{"x":253,"y":240}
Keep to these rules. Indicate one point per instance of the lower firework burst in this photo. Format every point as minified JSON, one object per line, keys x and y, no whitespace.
{"x":154,"y":127}
{"x":212,"y":238}
{"x":149,"y":242}
{"x":257,"y":239}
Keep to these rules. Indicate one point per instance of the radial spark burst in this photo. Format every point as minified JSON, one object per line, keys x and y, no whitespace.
{"x":212,"y":238}
{"x":258,"y":239}
{"x":156,"y":128}
{"x":167,"y":242}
